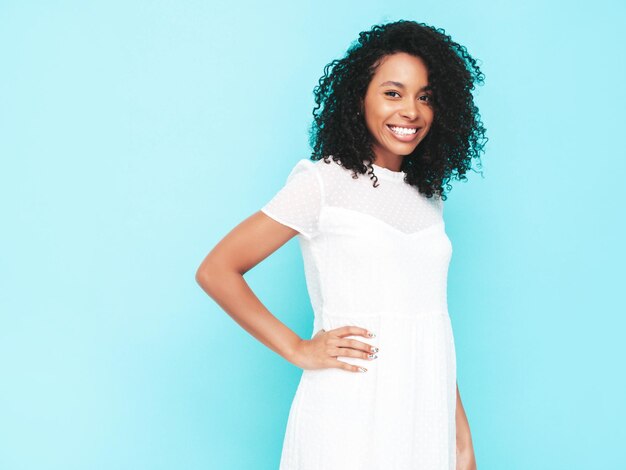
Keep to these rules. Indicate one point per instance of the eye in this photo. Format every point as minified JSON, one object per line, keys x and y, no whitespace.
{"x":426,"y":98}
{"x":387,"y":93}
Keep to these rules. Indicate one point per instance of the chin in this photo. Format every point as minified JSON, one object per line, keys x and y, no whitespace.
{"x":404,"y":151}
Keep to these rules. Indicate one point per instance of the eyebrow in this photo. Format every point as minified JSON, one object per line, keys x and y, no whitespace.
{"x":400,"y":85}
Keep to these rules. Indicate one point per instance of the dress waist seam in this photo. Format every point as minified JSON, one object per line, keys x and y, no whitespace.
{"x":385,"y":314}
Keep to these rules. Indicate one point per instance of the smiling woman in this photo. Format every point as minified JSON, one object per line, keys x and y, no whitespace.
{"x":376,"y":259}
{"x":408,"y":72}
{"x":397,"y":109}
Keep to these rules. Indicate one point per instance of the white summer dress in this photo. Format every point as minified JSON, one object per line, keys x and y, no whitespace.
{"x":377,"y":258}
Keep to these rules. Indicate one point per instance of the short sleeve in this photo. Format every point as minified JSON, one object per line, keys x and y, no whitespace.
{"x":298,"y":203}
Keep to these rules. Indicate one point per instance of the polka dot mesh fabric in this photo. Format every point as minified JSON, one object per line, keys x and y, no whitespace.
{"x":299,"y":202}
{"x":377,"y":258}
{"x":313,"y":185}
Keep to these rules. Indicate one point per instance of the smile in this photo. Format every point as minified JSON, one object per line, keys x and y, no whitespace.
{"x":402,"y":130}
{"x":404,"y":134}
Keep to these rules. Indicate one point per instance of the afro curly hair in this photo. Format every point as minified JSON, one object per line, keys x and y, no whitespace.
{"x":457,"y":134}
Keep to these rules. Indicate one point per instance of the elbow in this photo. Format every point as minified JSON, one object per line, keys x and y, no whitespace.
{"x":200,"y":277}
{"x":209,"y":275}
{"x":204,"y":276}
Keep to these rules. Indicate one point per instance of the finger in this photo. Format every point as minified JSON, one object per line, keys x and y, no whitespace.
{"x":349,"y":367}
{"x":346,"y":352}
{"x":356,"y":344}
{"x":350,"y":330}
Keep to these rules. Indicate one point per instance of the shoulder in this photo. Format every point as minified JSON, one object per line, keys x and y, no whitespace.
{"x":329,"y":170}
{"x":322,"y":175}
{"x":305,"y":170}
{"x":321,"y":171}
{"x":316,"y":165}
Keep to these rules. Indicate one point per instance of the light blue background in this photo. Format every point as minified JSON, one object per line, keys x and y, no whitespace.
{"x":134,"y":135}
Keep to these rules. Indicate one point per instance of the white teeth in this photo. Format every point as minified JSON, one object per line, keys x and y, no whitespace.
{"x":403,"y":130}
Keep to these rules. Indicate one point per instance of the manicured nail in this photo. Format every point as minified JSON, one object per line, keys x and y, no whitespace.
{"x":374,"y":349}
{"x":362,"y":369}
{"x":370,"y":334}
{"x":372,"y":356}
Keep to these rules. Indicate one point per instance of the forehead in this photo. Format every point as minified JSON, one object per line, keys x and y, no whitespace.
{"x":401,"y":67}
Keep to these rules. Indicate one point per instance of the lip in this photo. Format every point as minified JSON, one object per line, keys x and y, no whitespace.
{"x":404,"y":138}
{"x":403,"y":125}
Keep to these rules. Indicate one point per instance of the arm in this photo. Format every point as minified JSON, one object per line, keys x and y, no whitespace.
{"x":221,"y":276}
{"x":464,"y":447}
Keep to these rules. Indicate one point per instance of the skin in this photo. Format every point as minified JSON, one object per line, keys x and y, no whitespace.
{"x":221,"y":273}
{"x":397,"y":95}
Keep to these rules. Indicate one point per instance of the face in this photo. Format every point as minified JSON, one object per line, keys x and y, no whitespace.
{"x":397,"y":108}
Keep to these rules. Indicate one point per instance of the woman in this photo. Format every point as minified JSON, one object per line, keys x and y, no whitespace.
{"x":394,"y":120}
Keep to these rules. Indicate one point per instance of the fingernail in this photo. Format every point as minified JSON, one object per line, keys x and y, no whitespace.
{"x":372,"y":356}
{"x":374,"y":349}
{"x":362,"y":369}
{"x":370,"y":334}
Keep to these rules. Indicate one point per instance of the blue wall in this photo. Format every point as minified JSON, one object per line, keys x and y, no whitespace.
{"x":123,"y":165}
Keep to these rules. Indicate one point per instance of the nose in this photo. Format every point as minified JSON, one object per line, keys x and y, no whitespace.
{"x":410,"y":110}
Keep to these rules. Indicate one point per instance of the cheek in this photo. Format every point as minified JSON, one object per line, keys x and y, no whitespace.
{"x":429,"y":114}
{"x":429,"y":118}
{"x":372,"y":122}
{"x":379,"y":108}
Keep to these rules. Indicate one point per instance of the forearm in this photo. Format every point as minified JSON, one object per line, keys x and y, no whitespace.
{"x":463,"y":434}
{"x":232,"y":293}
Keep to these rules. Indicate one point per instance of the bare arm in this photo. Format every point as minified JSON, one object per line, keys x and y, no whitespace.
{"x":464,"y":446}
{"x":221,"y":276}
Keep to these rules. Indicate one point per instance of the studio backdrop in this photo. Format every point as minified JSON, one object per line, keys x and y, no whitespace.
{"x":135,"y":135}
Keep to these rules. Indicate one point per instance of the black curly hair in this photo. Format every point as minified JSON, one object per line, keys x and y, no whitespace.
{"x":457,"y":134}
